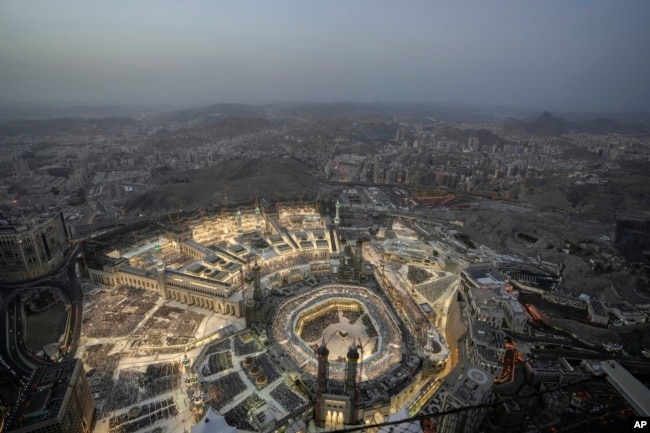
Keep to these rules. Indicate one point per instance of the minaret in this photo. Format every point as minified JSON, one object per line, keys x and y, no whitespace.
{"x":249,"y":301}
{"x":258,"y":225}
{"x":337,"y":218}
{"x":240,"y":229}
{"x":321,"y":382}
{"x":351,"y":382}
{"x":162,"y":278}
{"x":257,"y":287}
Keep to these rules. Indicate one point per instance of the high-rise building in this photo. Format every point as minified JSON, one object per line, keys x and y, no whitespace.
{"x":21,"y":167}
{"x":57,"y":399}
{"x":351,"y":383}
{"x":378,"y":173}
{"x":473,"y":389}
{"x":391,"y":175}
{"x":472,"y":144}
{"x":321,"y":381}
{"x":33,"y":249}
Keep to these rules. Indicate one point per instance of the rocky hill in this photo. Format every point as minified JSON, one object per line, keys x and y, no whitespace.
{"x":228,"y":181}
{"x":548,"y":124}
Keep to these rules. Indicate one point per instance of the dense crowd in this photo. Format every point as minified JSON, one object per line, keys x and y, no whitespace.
{"x":352,"y":315}
{"x":370,"y":328}
{"x":131,"y":386}
{"x":217,"y":362}
{"x":312,"y":329}
{"x":100,"y":375}
{"x":416,"y":317}
{"x":417,"y":275}
{"x":146,"y":417}
{"x":288,"y":399}
{"x":238,"y":415}
{"x":242,"y":347}
{"x":160,"y":378}
{"x":142,"y":410}
{"x":215,"y":347}
{"x":268,"y":367}
{"x":178,"y":325}
{"x":96,"y":356}
{"x":381,"y":320}
{"x":224,"y":390}
{"x":435,"y":289}
{"x":125,"y":391}
{"x":117,"y":311}
{"x":219,"y":346}
{"x":163,"y":369}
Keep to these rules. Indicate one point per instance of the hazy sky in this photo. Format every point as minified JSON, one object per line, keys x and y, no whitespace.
{"x":564,"y":55}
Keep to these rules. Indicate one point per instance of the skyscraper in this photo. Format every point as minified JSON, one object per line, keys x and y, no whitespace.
{"x":34,"y":249}
{"x":474,"y":389}
{"x":57,"y":399}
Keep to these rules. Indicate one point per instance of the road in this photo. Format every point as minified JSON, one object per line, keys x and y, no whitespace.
{"x":15,"y":357}
{"x":453,"y":325}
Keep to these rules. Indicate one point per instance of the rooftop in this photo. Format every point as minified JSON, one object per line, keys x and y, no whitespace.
{"x":43,"y":397}
{"x":636,"y":394}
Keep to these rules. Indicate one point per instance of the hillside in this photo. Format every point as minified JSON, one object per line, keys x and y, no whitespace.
{"x":548,"y":124}
{"x":214,"y":111}
{"x":239,"y":180}
{"x":64,"y":125}
{"x":233,"y":126}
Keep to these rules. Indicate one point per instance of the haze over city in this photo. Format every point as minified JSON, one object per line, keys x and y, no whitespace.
{"x":312,"y":217}
{"x":584,"y":56}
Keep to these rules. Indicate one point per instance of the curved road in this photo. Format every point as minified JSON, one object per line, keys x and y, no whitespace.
{"x":15,"y":357}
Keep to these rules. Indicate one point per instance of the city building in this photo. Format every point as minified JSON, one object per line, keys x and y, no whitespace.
{"x":57,"y":399}
{"x":492,"y":299}
{"x":223,"y":249}
{"x":624,"y":312}
{"x":32,"y":248}
{"x":486,"y":347}
{"x":559,"y":371}
{"x":635,"y":393}
{"x":472,"y":389}
{"x":597,"y":312}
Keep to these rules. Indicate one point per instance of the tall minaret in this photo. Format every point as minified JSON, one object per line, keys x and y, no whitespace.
{"x":249,"y":302}
{"x":240,"y":229}
{"x":258,"y":225}
{"x":162,"y":278}
{"x":257,"y":287}
{"x":321,"y":382}
{"x":351,"y":382}
{"x":337,"y":218}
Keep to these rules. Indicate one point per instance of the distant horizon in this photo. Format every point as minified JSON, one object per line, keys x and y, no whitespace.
{"x":163,"y":106}
{"x":559,"y":56}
